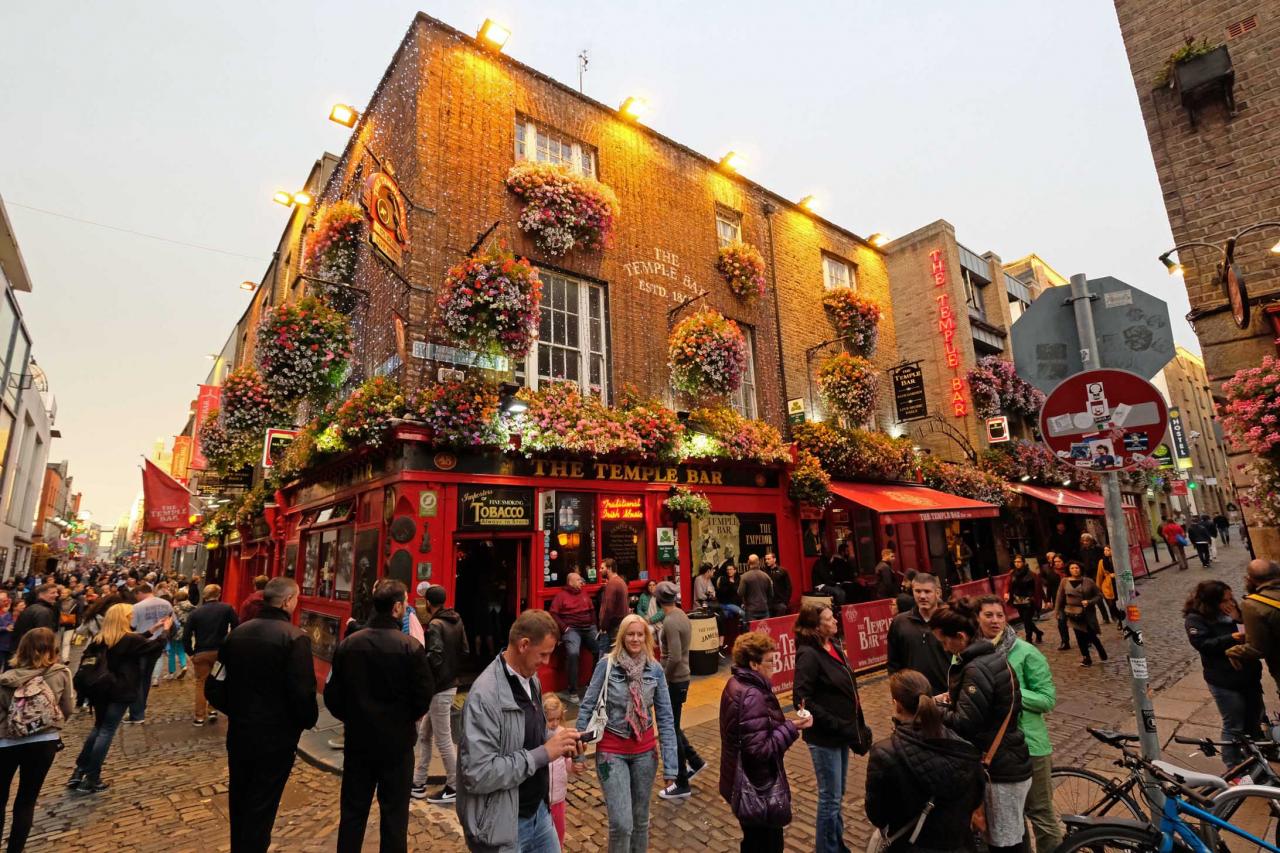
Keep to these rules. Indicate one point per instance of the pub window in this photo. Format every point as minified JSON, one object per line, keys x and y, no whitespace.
{"x":573,"y":544}
{"x":547,"y":146}
{"x":311,"y":564}
{"x":728,"y":227}
{"x":291,"y":560}
{"x":837,"y":273}
{"x":622,"y":534}
{"x":572,"y":344}
{"x":744,"y":399}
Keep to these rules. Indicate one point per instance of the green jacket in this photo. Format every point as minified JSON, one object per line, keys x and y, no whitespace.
{"x":1035,"y":680}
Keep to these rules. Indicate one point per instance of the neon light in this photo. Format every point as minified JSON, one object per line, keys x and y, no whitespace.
{"x":947,"y":329}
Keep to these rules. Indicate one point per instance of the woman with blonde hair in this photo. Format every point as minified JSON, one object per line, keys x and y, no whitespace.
{"x":110,"y":671}
{"x":627,"y":693}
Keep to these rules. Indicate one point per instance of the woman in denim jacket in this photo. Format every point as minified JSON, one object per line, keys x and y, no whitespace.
{"x":626,"y":755}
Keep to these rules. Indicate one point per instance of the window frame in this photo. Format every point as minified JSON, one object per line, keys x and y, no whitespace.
{"x":733,"y":220}
{"x":850,"y":268}
{"x":583,"y":159}
{"x":585,"y":348}
{"x":740,"y":398}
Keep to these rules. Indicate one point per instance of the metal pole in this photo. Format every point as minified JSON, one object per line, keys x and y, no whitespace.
{"x":1118,"y":533}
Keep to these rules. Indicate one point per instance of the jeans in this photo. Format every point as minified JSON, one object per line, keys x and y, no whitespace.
{"x":31,"y":761}
{"x":537,"y":834}
{"x":831,"y":768}
{"x":1224,"y":533}
{"x":177,"y":656}
{"x":437,"y":726}
{"x":256,"y":783}
{"x":757,"y":616}
{"x":147,"y":665}
{"x":1202,"y":551}
{"x":202,"y":662}
{"x":627,"y":781}
{"x":574,"y":639}
{"x":1064,"y":631}
{"x":363,"y":774}
{"x":1026,"y":615}
{"x":1085,"y":639}
{"x":1038,"y":807}
{"x":760,"y":839}
{"x":1179,"y":555}
{"x":106,"y":719}
{"x":685,"y":753}
{"x":1241,"y":711}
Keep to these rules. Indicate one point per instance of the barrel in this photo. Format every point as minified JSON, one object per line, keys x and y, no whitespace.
{"x":820,"y":600}
{"x":704,"y":645}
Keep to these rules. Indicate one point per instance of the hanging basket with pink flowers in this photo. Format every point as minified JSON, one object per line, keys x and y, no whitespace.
{"x":742,"y":267}
{"x":849,"y":386}
{"x":855,"y":318}
{"x":491,"y":303}
{"x":563,"y":210}
{"x":303,"y":349}
{"x":707,"y":354}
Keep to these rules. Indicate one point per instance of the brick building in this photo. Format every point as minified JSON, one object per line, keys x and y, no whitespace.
{"x":1214,"y":152}
{"x":1190,"y":397}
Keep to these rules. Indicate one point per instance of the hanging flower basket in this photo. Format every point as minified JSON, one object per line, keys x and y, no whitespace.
{"x":685,"y":504}
{"x":331,"y":249}
{"x":559,"y":418}
{"x":461,"y":414}
{"x":491,"y":303}
{"x":997,"y":388}
{"x":1252,"y":416}
{"x":964,"y":481}
{"x":563,"y":210}
{"x":247,"y":403}
{"x":854,"y":318}
{"x":849,"y":386}
{"x":810,"y":485}
{"x":227,"y":451}
{"x":707,"y":354}
{"x":303,"y":350}
{"x":742,"y":267}
{"x":856,"y":454}
{"x":722,"y":433}
{"x":1022,"y":461}
{"x":364,"y":419}
{"x":657,"y":428}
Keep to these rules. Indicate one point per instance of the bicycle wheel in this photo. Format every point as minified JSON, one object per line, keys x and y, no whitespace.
{"x":1105,"y":838}
{"x":1083,"y":792}
{"x":1251,"y":808}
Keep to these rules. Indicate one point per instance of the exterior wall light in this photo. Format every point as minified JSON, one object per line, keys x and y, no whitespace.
{"x":733,"y":161}
{"x":344,"y":114}
{"x":282,"y":197}
{"x":493,"y":35}
{"x":634,"y":108}
{"x":248,"y":285}
{"x":878,"y":239}
{"x":809,"y":203}
{"x":302,"y":198}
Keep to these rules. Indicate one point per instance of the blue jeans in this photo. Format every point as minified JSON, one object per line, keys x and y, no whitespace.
{"x":573,"y":640}
{"x":627,"y":781}
{"x":537,"y":834}
{"x":94,"y":752}
{"x":1241,"y":711}
{"x":831,"y":767}
{"x":177,"y":656}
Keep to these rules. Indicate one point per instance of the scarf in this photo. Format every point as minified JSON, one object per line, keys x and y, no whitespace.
{"x":637,"y":713}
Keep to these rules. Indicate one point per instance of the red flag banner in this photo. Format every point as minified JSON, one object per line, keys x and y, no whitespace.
{"x":181,"y":457}
{"x":166,"y":505}
{"x":208,"y":400}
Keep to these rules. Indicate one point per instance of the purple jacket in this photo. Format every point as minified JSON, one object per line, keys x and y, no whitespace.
{"x":753,"y":727}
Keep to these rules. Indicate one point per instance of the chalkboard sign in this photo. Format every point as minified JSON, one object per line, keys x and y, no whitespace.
{"x":908,"y":393}
{"x":624,"y":542}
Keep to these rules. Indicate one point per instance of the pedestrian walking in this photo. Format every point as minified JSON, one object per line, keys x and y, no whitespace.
{"x":826,"y":687}
{"x":912,"y":643}
{"x":269,"y":686}
{"x":1106,"y":581}
{"x":755,"y":589}
{"x":253,"y":601}
{"x":886,"y":578}
{"x":982,"y":704}
{"x":447,"y":648}
{"x":182,"y":608}
{"x":1212,"y":618}
{"x":923,"y":781}
{"x":1260,"y":611}
{"x":754,"y":738}
{"x":1077,"y":596}
{"x":1223,"y":525}
{"x":69,"y":610}
{"x":780,"y":602}
{"x":573,"y":612}
{"x":1089,"y":553}
{"x":40,"y":612}
{"x":148,"y":610}
{"x":379,"y":687}
{"x":1176,"y":538}
{"x":1055,"y":573}
{"x":1038,"y":694}
{"x":36,"y":699}
{"x":677,"y":634}
{"x":560,"y":769}
{"x":1061,"y":541}
{"x":109,"y":675}
{"x":1023,"y":596}
{"x":206,"y":629}
{"x":629,"y":691}
{"x":505,"y":750}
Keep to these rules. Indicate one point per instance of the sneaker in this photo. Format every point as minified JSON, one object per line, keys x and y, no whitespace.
{"x":213,"y":715}
{"x":197,"y":722}
{"x":87,"y":787}
{"x":1102,"y":653}
{"x":675,"y":791}
{"x":418,"y":792}
{"x":76,"y":778}
{"x":695,"y":769}
{"x":446,"y":796}
{"x":137,"y":722}
{"x":1086,"y":663}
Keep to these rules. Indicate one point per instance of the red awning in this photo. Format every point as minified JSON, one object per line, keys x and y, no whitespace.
{"x":905,"y":502}
{"x":1065,"y":501}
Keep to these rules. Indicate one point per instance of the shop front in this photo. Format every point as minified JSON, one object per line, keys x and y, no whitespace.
{"x":1036,"y":511}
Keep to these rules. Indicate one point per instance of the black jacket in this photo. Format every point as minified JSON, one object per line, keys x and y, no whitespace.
{"x":446,"y":647}
{"x":208,"y":626}
{"x":727,"y":590}
{"x":829,"y":690}
{"x":982,"y":689}
{"x":123,"y":659}
{"x":1200,"y":532}
{"x":781,"y":589}
{"x":1212,"y":639}
{"x":913,"y":646}
{"x":1022,"y":584}
{"x":905,"y":770}
{"x":38,"y":614}
{"x":886,"y":581}
{"x":380,"y":686}
{"x":271,"y":682}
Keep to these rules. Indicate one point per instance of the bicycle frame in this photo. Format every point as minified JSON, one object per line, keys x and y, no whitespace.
{"x":1171,"y":824}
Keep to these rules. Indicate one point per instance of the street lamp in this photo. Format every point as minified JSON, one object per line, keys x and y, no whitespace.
{"x":634,"y":108}
{"x":301,"y":198}
{"x":1228,"y":275}
{"x":344,"y":114}
{"x":733,"y":161}
{"x":493,"y":35}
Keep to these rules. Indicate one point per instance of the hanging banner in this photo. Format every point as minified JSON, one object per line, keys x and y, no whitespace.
{"x":209,"y":398}
{"x":166,"y":504}
{"x":181,"y":459}
{"x":782,"y":629}
{"x":866,"y":632}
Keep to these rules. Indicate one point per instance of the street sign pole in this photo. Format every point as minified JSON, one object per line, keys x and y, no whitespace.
{"x":1081,"y":301}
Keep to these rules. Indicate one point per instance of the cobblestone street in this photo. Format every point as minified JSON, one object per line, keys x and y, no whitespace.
{"x":168,"y":790}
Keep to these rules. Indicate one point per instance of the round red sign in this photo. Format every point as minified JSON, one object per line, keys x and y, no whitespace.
{"x":1104,"y":420}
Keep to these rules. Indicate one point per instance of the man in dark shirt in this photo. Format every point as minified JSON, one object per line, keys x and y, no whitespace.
{"x":886,"y":580}
{"x":42,"y":612}
{"x":613,"y":603}
{"x":781,"y":602}
{"x":202,"y":636}
{"x":912,"y":644}
{"x":1200,"y":532}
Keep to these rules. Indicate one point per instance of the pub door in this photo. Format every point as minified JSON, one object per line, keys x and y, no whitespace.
{"x":492,"y":585}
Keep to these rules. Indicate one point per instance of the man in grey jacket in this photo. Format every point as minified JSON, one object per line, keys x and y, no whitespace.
{"x":503,"y":780}
{"x":756,"y":590}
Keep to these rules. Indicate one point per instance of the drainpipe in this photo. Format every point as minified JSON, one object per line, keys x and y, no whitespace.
{"x":769,"y":210}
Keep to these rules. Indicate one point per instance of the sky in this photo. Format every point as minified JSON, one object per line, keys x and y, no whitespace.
{"x":1016,"y":121}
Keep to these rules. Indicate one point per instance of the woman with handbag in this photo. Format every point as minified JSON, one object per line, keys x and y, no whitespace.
{"x":1106,"y":581}
{"x":924,"y":780}
{"x":627,"y":694}
{"x":981,"y":705}
{"x":1022,"y":597}
{"x":1077,"y":596}
{"x":754,"y":737}
{"x":825,"y":686}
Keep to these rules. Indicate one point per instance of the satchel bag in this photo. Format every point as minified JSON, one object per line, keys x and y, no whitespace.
{"x":1182,"y":540}
{"x":760,"y":805}
{"x":978,"y":820}
{"x":600,"y":713}
{"x":880,"y":843}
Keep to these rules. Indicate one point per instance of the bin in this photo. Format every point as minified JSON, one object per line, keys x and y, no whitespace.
{"x":704,"y":645}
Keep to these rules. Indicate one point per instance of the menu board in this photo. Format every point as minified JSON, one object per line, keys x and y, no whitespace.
{"x":624,"y":542}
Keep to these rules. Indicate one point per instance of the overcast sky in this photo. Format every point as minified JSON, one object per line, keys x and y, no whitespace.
{"x":1016,"y":121}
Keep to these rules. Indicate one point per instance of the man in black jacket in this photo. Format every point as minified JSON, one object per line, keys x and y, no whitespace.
{"x":912,"y":644}
{"x":207,"y":627}
{"x":270,"y":700}
{"x":446,"y":649}
{"x":380,"y":686}
{"x":781,"y":602}
{"x":42,"y":612}
{"x":1200,"y":532}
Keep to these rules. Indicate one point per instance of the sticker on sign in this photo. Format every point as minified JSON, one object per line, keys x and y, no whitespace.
{"x":1118,"y":298}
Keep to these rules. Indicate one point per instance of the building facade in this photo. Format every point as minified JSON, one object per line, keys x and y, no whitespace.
{"x":1199,"y":450}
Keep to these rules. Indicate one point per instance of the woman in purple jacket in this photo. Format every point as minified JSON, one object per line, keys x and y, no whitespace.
{"x":754,"y":737}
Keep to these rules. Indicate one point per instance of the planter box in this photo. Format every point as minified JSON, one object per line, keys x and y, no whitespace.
{"x":1205,"y":78}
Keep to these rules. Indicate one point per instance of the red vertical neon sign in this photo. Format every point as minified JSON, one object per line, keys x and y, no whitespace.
{"x":947,"y":328}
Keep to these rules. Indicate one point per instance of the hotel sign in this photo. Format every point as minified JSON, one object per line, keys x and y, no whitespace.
{"x":947,"y":330}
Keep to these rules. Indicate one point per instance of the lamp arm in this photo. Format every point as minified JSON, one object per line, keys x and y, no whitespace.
{"x":1255,"y":227}
{"x":1189,"y":244}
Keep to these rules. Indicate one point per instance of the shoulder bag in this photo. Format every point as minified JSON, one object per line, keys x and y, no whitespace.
{"x":600,"y":714}
{"x":759,"y":805}
{"x":880,"y":843}
{"x":979,"y":818}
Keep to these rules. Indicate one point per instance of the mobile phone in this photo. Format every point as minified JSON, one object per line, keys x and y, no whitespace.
{"x":588,"y":737}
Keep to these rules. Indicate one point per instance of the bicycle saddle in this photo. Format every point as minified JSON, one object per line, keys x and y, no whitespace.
{"x":1193,"y":778}
{"x":1113,"y":738}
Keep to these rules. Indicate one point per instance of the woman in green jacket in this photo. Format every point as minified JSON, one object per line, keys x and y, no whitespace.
{"x":1035,"y":681}
{"x":648,"y":607}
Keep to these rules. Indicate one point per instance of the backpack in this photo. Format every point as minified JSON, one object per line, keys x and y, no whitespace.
{"x":94,"y":679}
{"x":32,"y":709}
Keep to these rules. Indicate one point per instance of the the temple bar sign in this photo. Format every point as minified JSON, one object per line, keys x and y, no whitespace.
{"x":629,"y":473}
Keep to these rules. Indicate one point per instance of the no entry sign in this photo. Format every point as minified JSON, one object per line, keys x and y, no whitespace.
{"x":1104,"y":420}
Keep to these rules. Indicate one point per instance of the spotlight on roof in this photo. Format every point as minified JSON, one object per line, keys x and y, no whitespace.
{"x":493,"y":35}
{"x":634,"y":108}
{"x":344,"y":114}
{"x":733,"y":161}
{"x":878,"y":239}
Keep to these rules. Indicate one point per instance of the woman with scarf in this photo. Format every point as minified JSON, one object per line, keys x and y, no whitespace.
{"x":630,"y":683}
{"x":1077,"y":596}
